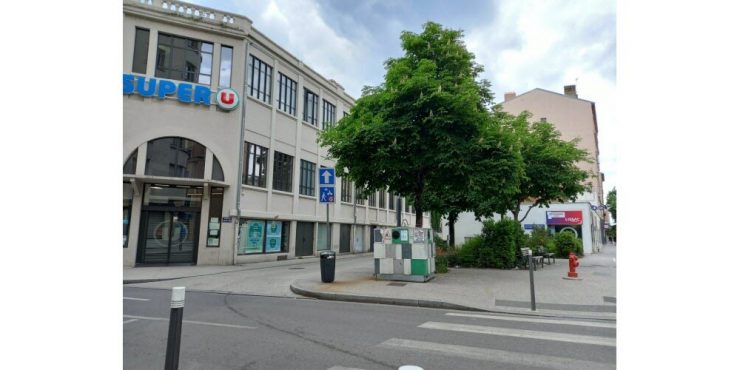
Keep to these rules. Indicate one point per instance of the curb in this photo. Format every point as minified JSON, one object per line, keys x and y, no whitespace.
{"x":434,"y":304}
{"x":381,"y":300}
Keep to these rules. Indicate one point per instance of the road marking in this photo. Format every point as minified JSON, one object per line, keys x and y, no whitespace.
{"x":343,"y":368}
{"x":561,"y":337}
{"x":191,"y":322}
{"x":539,"y":320}
{"x":135,"y":299}
{"x":130,"y":321}
{"x":487,"y":354}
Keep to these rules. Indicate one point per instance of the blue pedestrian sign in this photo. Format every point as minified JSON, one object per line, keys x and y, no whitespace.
{"x":326,"y":194}
{"x":326,"y":176}
{"x":326,"y":185}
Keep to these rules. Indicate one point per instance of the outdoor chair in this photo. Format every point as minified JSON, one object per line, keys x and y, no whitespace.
{"x":524,"y":259}
{"x":545,"y":254}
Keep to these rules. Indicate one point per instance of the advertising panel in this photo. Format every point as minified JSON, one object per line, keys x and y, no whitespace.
{"x":251,"y":235}
{"x":274,"y":236}
{"x":564,"y":217}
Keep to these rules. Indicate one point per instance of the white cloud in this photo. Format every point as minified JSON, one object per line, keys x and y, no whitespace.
{"x":298,"y":27}
{"x":548,"y":44}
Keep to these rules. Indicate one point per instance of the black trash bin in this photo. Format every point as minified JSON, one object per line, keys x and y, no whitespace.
{"x":328,"y":261}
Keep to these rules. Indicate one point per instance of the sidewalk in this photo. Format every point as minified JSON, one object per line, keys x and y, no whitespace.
{"x":470,"y":289}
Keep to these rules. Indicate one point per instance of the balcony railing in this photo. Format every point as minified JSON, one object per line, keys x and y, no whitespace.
{"x":190,"y":11}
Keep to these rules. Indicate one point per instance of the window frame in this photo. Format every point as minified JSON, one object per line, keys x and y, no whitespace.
{"x":307,"y":183}
{"x":346,"y":190}
{"x":330,"y":110}
{"x":144,"y":48}
{"x":221,"y":65}
{"x":261,"y":178}
{"x":282,"y":172}
{"x":288,"y":89}
{"x":167,"y":69}
{"x":264,"y":75}
{"x":313,"y":119}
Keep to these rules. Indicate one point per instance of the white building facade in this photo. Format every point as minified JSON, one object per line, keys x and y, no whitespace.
{"x":220,"y":151}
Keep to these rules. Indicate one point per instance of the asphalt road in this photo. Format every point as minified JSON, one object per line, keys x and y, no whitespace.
{"x":226,"y":331}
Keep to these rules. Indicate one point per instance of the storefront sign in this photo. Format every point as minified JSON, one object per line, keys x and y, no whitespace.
{"x":185,"y":92}
{"x":564,"y":217}
{"x":274,"y":236}
{"x":533,"y":226}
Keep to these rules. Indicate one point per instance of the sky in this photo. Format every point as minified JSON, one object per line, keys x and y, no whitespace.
{"x":522,"y":44}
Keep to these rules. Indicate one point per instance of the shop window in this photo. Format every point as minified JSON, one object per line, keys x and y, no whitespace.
{"x":175,"y":157}
{"x":224,"y":72}
{"x":260,"y":80}
{"x":217,"y":172}
{"x":184,"y":59}
{"x":172,"y":195}
{"x":128,"y":197}
{"x":263,"y":236}
{"x":141,"y":50}
{"x":129,"y":168}
{"x":282,"y":172}
{"x":255,"y":165}
{"x":214,"y":217}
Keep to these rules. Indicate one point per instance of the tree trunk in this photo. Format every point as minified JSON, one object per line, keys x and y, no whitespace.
{"x":451,"y":226}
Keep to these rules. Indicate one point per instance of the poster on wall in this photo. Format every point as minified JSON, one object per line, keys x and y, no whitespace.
{"x":274,"y":236}
{"x":251,"y":235}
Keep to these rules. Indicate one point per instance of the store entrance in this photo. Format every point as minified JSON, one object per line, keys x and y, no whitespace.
{"x":169,"y":225}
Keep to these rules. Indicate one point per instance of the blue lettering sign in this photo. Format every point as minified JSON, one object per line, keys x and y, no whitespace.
{"x":185,"y":93}
{"x":202,"y":95}
{"x":128,"y":84}
{"x":141,"y":81}
{"x":165,"y":88}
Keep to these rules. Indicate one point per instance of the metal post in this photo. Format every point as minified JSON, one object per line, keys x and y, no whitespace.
{"x":177,"y":304}
{"x":531,"y":280}
{"x":398,"y":211}
{"x":328,"y":229}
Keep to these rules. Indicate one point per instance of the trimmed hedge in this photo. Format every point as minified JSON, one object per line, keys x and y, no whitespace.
{"x":501,"y":241}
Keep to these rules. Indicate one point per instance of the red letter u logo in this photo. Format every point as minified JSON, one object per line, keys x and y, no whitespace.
{"x":227,"y":99}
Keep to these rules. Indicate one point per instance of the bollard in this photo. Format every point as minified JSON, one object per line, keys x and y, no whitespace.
{"x":531,"y":280}
{"x":177,"y":304}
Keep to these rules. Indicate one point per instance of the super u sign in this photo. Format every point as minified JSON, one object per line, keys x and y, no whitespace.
{"x":227,"y":99}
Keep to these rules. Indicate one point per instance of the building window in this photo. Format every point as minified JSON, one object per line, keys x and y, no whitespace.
{"x":260,"y":80}
{"x":330,"y":115}
{"x":308,"y":178}
{"x":128,"y":197}
{"x":255,"y":166}
{"x":406,"y":201}
{"x":129,"y":167}
{"x":141,"y":51}
{"x":310,"y":107}
{"x":381,"y":199}
{"x":263,"y":236}
{"x":217,"y":172}
{"x":391,"y":201}
{"x":345,"y":114}
{"x":224,"y":73}
{"x":184,"y":59}
{"x":346,"y":190}
{"x":359,"y":199}
{"x":371,"y":200}
{"x":175,"y":157}
{"x":282,"y":175}
{"x":286,"y":97}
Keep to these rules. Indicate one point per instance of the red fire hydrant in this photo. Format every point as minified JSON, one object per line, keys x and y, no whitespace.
{"x":572,"y":264}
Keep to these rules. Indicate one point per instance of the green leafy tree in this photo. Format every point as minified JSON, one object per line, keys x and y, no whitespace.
{"x":611,"y":202}
{"x":551,"y":172}
{"x":415,"y":130}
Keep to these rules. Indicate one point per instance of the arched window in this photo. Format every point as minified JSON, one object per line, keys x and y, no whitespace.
{"x":217,"y":173}
{"x":129,"y":168}
{"x":175,"y":157}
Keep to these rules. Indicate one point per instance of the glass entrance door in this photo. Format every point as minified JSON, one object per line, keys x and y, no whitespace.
{"x":170,"y":237}
{"x":170,"y":220}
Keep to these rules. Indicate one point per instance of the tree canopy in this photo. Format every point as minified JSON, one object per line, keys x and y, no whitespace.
{"x":611,"y":203}
{"x":415,"y":130}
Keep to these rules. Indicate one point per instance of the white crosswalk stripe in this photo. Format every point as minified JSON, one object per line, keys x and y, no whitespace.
{"x":531,"y":334}
{"x":536,"y":320}
{"x":486,"y":354}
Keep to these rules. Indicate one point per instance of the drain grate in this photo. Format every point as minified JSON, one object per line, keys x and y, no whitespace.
{"x":396,"y":284}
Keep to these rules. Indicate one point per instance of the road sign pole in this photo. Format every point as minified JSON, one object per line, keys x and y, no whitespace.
{"x":328,"y":229}
{"x":531,"y":281}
